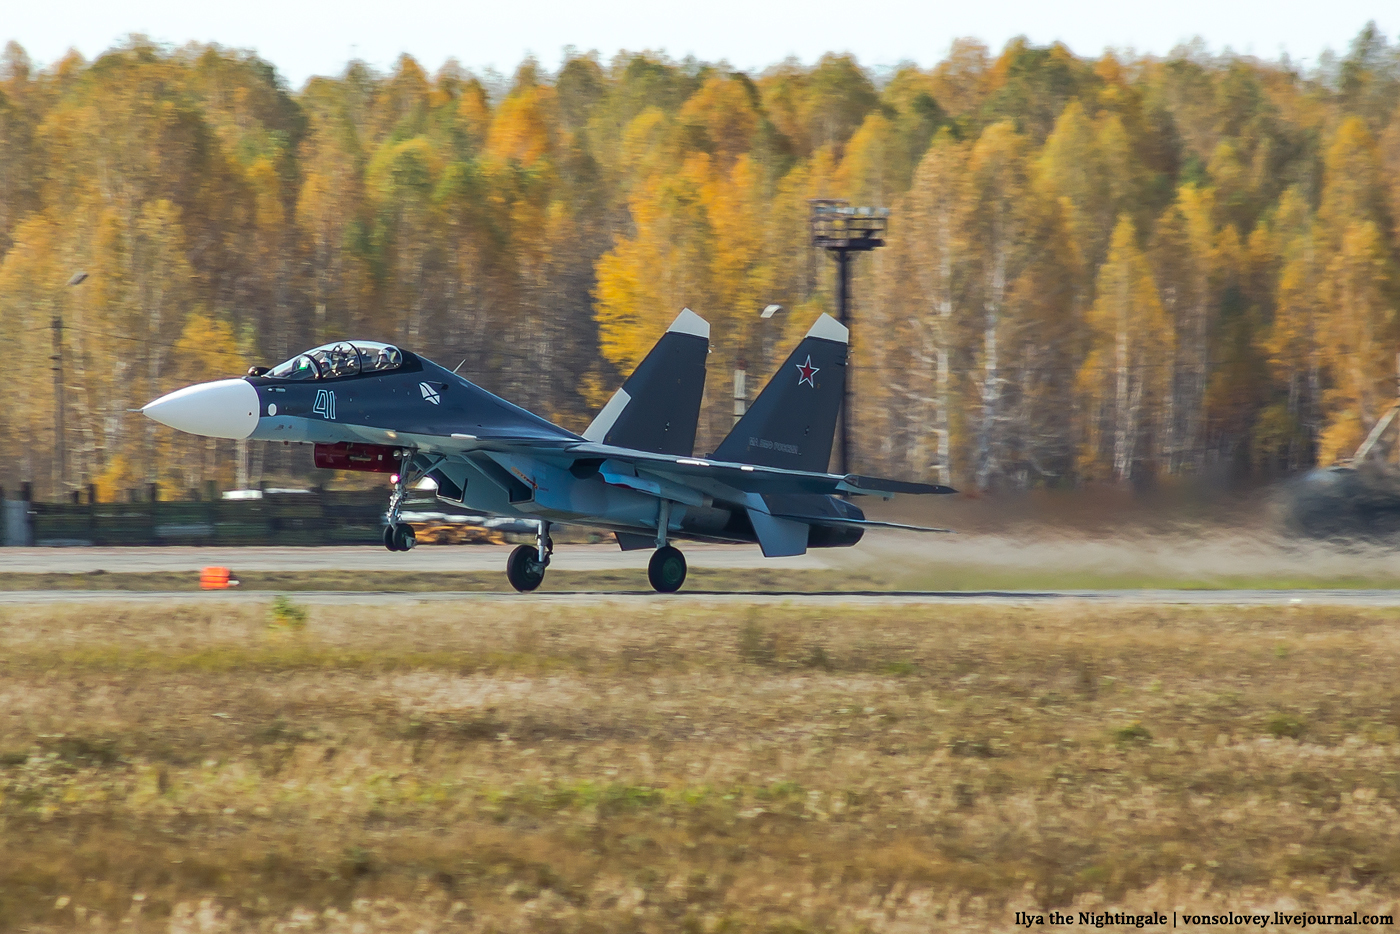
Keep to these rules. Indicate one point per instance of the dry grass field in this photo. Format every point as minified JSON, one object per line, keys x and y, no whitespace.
{"x":217,"y":768}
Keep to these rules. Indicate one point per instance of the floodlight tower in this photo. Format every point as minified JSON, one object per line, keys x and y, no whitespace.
{"x":842,"y":230}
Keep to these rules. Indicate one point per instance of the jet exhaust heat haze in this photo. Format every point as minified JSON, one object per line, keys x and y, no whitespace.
{"x":371,"y":406}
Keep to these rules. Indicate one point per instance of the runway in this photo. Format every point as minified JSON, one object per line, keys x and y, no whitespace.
{"x":1195,"y":559}
{"x":833,"y":599}
{"x":425,"y":558}
{"x":1233,"y":569}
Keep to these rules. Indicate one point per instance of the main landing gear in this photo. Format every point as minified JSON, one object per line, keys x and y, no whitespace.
{"x":526,"y":564}
{"x":666,"y":570}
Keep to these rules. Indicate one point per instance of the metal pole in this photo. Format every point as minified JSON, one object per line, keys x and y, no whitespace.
{"x":843,"y":292}
{"x":741,"y":394}
{"x":60,"y":471}
{"x":60,"y":442}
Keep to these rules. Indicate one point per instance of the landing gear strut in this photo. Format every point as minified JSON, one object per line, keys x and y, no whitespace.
{"x":398,"y":536}
{"x":666,"y":570}
{"x":526,"y":564}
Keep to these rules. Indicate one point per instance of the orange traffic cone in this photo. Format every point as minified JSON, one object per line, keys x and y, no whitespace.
{"x":215,"y":578}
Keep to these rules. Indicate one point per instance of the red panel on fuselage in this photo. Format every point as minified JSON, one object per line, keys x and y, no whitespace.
{"x":372,"y":458}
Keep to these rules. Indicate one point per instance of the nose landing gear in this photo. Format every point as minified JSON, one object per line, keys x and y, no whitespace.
{"x":398,"y":536}
{"x":526,"y":565}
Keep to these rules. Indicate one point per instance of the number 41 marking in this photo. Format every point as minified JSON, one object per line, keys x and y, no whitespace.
{"x":325,"y":403}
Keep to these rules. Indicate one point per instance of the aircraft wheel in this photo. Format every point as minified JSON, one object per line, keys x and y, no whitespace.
{"x":404,"y":539}
{"x":666,"y":570}
{"x":523,"y":568}
{"x":389,"y":538}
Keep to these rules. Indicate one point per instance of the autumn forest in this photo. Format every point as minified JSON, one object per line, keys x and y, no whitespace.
{"x":1104,"y":269}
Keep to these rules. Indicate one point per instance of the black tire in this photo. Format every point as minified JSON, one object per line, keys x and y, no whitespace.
{"x":666,"y":570}
{"x":523,"y":568}
{"x":404,"y":539}
{"x":389,"y":538}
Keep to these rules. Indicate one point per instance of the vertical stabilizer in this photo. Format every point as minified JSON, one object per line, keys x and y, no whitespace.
{"x":793,"y":421}
{"x":658,"y":406}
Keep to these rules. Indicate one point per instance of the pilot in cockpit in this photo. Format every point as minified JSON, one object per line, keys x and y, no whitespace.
{"x":331,"y":361}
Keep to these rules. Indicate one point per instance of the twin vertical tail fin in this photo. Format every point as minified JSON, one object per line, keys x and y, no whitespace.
{"x":658,"y":407}
{"x":793,"y":421}
{"x":791,"y":424}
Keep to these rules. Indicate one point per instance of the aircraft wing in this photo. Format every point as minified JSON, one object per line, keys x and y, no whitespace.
{"x":749,"y":478}
{"x":500,"y":442}
{"x":697,"y":472}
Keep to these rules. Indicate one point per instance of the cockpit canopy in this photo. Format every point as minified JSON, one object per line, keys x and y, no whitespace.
{"x":342,"y":358}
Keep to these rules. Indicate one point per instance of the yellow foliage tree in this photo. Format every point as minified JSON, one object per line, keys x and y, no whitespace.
{"x":30,"y":284}
{"x":521,"y":129}
{"x":1125,"y":374}
{"x":876,"y":164}
{"x":935,"y":219}
{"x":720,"y":119}
{"x":1356,"y":290}
{"x":998,"y":189}
{"x":1360,"y":346}
{"x":645,"y":279}
{"x":1295,"y":340}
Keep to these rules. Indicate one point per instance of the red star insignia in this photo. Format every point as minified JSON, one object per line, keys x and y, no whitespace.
{"x":807,"y":371}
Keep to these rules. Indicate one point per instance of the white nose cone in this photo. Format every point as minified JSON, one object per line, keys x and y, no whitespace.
{"x":227,"y":408}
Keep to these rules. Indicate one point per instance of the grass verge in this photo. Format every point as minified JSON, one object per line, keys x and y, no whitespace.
{"x":929,"y":579}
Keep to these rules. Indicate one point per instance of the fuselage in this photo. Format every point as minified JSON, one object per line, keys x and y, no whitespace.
{"x":418,"y":405}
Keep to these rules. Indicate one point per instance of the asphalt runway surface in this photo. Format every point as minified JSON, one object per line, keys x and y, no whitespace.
{"x":1193,"y":558}
{"x":425,"y":558}
{"x":1352,"y":598}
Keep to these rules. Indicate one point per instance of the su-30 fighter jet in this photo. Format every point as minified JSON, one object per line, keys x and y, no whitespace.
{"x":374,"y":407}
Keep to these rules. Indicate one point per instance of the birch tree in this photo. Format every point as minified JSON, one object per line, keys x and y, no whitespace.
{"x":936,"y":232}
{"x":997,"y":176}
{"x":1123,"y":375}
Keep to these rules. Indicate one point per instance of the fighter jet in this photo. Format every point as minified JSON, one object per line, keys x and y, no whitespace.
{"x":371,"y":406}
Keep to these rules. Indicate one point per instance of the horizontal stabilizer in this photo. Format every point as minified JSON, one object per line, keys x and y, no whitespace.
{"x":853,"y":483}
{"x":869,"y":524}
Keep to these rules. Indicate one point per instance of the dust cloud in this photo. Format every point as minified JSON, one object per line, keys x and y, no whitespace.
{"x":1172,"y":538}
